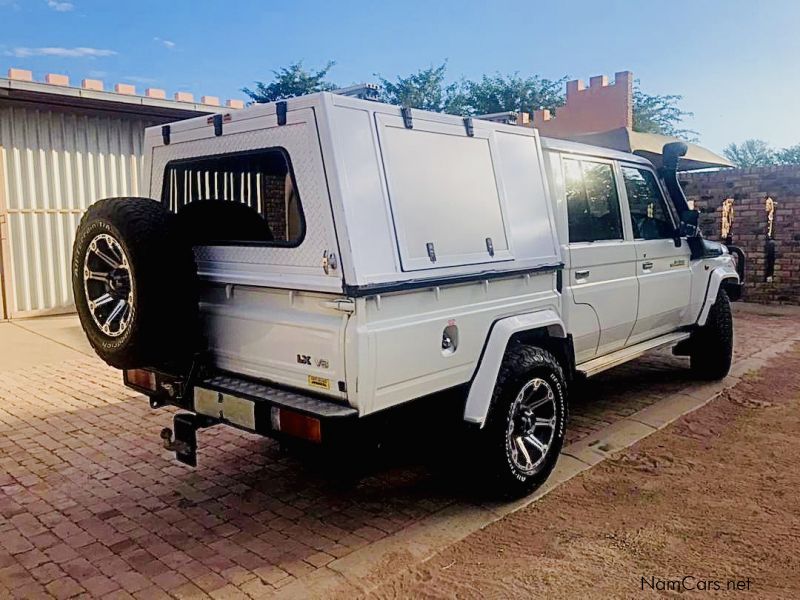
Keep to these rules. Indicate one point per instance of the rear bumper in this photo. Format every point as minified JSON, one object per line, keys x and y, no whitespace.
{"x":217,"y":398}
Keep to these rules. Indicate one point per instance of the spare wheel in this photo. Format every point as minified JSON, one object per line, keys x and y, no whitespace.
{"x":135,"y":285}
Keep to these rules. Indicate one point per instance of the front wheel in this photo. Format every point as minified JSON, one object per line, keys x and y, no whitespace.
{"x":712,"y":344}
{"x":525,"y":428}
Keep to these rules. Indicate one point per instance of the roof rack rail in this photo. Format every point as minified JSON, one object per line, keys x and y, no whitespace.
{"x":365,"y":91}
{"x":508,"y":117}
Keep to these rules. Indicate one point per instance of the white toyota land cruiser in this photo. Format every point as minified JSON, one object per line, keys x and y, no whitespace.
{"x":302,"y":265}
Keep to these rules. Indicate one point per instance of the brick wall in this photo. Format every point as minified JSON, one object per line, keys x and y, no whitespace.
{"x":749,"y":189}
{"x":275,"y":205}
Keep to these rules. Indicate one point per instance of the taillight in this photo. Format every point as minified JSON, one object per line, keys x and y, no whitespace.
{"x":296,"y":424}
{"x":140,"y":378}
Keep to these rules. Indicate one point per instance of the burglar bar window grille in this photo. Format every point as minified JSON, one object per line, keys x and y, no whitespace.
{"x":262,"y":181}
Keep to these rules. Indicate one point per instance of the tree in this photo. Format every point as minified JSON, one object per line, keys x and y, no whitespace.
{"x":502,"y":93}
{"x":660,"y":114}
{"x":750,"y":153}
{"x":425,"y":89}
{"x":788,"y":156}
{"x":428,"y":89}
{"x":292,"y":81}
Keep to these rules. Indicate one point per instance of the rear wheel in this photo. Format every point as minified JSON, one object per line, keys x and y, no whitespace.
{"x":711,"y":346}
{"x":134,"y":282}
{"x":524,"y":431}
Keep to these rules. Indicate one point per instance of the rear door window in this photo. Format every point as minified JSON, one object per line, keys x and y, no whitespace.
{"x":650,"y":216}
{"x":233,"y":198}
{"x":593,"y":212}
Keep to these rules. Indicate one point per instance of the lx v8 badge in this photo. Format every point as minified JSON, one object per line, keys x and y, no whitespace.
{"x":305,"y":359}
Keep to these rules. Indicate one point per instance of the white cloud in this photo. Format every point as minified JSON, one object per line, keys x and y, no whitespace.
{"x":166,"y":43}
{"x":61,"y":52}
{"x":141,"y":80}
{"x":58,"y":6}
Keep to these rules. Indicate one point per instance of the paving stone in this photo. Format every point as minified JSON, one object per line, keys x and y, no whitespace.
{"x":91,"y":503}
{"x":64,"y":587}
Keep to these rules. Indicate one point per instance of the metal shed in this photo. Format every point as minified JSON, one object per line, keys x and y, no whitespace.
{"x":61,"y":149}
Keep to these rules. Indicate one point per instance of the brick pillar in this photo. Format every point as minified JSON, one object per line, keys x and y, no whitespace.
{"x":599,"y":107}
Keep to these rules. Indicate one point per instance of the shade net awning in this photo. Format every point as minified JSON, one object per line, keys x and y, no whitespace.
{"x":649,"y":146}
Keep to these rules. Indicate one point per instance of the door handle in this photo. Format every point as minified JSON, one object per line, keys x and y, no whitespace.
{"x":581,"y":274}
{"x":647,"y":265}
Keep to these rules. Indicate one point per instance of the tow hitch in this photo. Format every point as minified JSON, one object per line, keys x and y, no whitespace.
{"x":183,"y":441}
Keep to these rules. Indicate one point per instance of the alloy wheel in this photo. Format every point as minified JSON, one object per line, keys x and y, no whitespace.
{"x":108,"y":285}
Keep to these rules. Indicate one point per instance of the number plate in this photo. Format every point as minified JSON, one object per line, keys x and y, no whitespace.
{"x":232,"y":409}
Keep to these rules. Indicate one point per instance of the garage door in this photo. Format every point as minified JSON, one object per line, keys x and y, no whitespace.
{"x":53,"y":165}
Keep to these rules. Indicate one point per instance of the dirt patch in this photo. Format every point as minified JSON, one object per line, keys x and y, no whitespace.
{"x":708,"y":504}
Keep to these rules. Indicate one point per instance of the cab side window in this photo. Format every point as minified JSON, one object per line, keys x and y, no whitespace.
{"x":650,"y":216}
{"x":593,"y":212}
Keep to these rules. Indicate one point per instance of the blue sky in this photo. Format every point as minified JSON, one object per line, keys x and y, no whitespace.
{"x":736,"y":62}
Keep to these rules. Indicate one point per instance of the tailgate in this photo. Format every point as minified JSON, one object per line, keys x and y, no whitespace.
{"x":287,"y":337}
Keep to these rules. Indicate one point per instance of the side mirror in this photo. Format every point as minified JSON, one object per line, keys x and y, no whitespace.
{"x":690,"y":220}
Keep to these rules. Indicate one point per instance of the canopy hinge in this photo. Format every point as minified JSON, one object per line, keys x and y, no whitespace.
{"x":408,"y":120}
{"x":469,"y":126}
{"x":280,"y":109}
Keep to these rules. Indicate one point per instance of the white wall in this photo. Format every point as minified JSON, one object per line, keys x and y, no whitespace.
{"x":53,"y":164}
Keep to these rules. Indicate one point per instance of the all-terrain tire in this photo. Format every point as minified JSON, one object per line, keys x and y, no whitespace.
{"x":522,"y":365}
{"x":157,"y":279}
{"x":711,"y":346}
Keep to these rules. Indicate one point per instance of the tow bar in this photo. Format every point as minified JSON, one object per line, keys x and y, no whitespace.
{"x":183,"y":442}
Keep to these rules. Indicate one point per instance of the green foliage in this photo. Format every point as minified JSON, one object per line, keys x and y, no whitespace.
{"x":788,"y":156}
{"x":750,"y":153}
{"x":428,"y":89}
{"x":425,"y":89}
{"x":502,"y":93}
{"x":292,"y":81}
{"x":653,"y":113}
{"x":757,"y":153}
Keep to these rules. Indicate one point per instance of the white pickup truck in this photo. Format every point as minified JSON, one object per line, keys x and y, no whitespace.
{"x":305,"y":264}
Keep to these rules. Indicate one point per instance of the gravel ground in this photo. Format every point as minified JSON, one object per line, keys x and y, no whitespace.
{"x":707,"y":506}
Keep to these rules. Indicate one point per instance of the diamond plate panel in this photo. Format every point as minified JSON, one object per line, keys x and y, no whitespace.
{"x":299,"y":138}
{"x":279,"y":397}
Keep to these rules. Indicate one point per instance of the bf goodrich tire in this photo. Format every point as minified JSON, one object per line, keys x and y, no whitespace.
{"x":524,"y":431}
{"x":712,"y":344}
{"x":135,"y":284}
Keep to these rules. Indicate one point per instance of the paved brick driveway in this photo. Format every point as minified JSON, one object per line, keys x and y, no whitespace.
{"x":91,"y":504}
